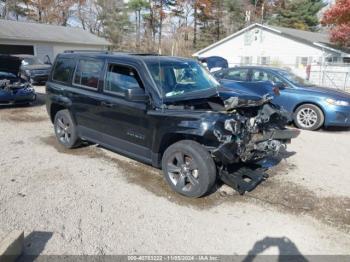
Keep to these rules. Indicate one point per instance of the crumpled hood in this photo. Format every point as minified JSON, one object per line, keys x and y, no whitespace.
{"x":10,"y":64}
{"x":327,"y":92}
{"x":233,"y":98}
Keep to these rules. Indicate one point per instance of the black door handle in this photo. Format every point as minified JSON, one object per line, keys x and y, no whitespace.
{"x":106,"y":104}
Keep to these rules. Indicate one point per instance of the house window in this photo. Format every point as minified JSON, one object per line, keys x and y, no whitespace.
{"x":265,"y":60}
{"x":304,"y":61}
{"x":246,"y":60}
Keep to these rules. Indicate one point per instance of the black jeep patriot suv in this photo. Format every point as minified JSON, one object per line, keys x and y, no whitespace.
{"x":168,"y":112}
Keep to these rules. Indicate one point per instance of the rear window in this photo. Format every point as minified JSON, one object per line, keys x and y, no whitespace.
{"x":88,"y":72}
{"x":63,"y":70}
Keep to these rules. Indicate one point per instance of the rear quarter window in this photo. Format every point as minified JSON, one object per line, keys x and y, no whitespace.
{"x":88,"y":73}
{"x":63,"y":70}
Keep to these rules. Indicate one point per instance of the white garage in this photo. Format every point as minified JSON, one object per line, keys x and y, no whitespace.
{"x":45,"y":40}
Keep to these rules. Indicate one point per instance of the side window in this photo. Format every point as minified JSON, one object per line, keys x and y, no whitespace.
{"x":63,"y":71}
{"x":237,"y":74}
{"x":120,"y":78}
{"x":259,"y":75}
{"x":88,"y":72}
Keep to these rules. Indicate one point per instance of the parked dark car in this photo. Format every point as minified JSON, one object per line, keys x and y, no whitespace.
{"x":312,"y":106}
{"x":13,"y":89}
{"x":34,"y":70}
{"x":164,"y":111}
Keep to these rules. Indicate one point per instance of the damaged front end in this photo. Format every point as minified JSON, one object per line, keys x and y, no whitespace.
{"x":252,"y":131}
{"x":13,"y":89}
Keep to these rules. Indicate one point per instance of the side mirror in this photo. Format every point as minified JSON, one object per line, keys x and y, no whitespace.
{"x":136,"y":94}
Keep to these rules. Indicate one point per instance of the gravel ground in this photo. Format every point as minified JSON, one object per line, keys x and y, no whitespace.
{"x":92,"y":201}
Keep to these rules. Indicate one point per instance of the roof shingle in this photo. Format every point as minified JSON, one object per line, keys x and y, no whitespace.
{"x":26,"y":31}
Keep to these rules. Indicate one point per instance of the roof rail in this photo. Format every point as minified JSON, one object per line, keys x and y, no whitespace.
{"x":88,"y":51}
{"x":146,"y":54}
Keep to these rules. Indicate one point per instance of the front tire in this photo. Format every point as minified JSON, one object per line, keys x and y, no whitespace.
{"x":65,"y":129}
{"x":308,"y":117}
{"x":189,"y":169}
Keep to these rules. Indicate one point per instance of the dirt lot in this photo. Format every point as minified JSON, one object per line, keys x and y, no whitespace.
{"x":92,"y":201}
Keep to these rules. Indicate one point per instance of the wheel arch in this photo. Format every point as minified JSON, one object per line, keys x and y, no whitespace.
{"x":171,"y":138}
{"x":312,"y":103}
{"x":54,"y":108}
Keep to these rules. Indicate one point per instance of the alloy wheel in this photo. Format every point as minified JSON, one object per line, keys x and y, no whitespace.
{"x":63,"y":130}
{"x":307,"y":117}
{"x":183,"y":172}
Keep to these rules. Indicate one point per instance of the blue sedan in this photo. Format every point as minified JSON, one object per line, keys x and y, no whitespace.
{"x":312,"y":106}
{"x":13,"y":89}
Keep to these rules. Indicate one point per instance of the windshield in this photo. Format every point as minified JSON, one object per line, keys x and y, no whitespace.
{"x":296,"y":80}
{"x":179,"y":78}
{"x":31,"y":61}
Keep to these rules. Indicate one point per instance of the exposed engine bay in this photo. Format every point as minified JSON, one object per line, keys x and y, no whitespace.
{"x":252,"y":129}
{"x":10,"y":84}
{"x":250,"y":134}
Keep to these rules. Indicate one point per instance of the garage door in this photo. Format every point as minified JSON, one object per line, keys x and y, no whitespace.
{"x":17,"y":49}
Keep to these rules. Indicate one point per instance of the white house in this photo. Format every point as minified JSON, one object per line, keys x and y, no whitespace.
{"x":45,"y":40}
{"x":278,"y":46}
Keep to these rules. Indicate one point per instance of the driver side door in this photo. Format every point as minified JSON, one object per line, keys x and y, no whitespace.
{"x":125,"y":124}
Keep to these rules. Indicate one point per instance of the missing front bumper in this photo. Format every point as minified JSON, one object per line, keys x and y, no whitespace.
{"x":243,"y":179}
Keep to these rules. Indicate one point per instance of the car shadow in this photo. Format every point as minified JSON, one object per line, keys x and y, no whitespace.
{"x":335,"y":129}
{"x":287,"y":250}
{"x":34,"y":245}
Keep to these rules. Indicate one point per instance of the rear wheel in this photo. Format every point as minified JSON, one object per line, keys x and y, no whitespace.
{"x":308,"y":117}
{"x":189,"y":168}
{"x":65,"y":129}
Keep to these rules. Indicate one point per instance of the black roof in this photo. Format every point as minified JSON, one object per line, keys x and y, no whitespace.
{"x":136,"y":57}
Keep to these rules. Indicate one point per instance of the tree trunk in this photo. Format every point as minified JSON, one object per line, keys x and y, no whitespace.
{"x":195,"y":24}
{"x":160,"y":27}
{"x":139,"y":28}
{"x":186,"y":33}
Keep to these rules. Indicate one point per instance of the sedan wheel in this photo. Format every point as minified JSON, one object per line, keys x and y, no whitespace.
{"x":308,"y":117}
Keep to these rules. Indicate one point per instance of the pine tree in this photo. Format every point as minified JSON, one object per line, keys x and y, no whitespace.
{"x":299,"y":14}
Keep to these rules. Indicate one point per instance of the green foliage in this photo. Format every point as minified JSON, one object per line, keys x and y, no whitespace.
{"x":299,"y":14}
{"x":115,"y":21}
{"x":138,"y":5}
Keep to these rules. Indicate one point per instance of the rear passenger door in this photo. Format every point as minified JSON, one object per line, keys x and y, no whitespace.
{"x":84,"y":93}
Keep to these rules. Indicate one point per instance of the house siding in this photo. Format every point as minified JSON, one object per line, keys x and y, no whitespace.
{"x":258,"y":42}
